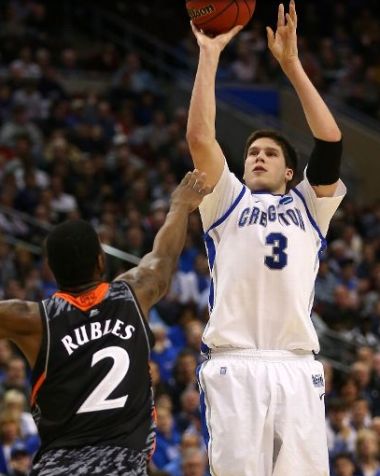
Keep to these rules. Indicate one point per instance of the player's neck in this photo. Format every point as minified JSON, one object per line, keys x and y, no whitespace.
{"x":75,"y":290}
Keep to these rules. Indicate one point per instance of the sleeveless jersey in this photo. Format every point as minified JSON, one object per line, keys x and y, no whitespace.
{"x":263,"y":253}
{"x":91,"y":381}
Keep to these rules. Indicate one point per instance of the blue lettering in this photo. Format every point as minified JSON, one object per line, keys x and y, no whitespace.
{"x":302,"y":224}
{"x":254,"y":215}
{"x":281,"y":217}
{"x":244,"y":217}
{"x":263,"y":219}
{"x":293,"y":216}
{"x":272,"y":213}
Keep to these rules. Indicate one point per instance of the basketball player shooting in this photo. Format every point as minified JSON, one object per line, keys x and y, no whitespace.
{"x":89,"y":347}
{"x":262,"y":389}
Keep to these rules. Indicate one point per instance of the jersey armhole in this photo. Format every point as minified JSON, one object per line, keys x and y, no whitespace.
{"x":40,"y":368}
{"x":148,"y":333}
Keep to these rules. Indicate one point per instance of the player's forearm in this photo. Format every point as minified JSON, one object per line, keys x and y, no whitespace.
{"x":170,"y":239}
{"x":202,"y":112}
{"x":318,"y":115}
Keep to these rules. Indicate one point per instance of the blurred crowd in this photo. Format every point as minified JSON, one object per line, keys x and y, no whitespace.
{"x":114,"y":158}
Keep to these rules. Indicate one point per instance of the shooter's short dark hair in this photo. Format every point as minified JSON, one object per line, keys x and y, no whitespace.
{"x":290,"y":154}
{"x":72,"y":251}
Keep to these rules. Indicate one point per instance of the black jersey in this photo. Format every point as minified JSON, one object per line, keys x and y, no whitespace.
{"x":91,"y":382}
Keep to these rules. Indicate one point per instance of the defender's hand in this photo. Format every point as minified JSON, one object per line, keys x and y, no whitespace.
{"x":283,"y":43}
{"x":190,"y":191}
{"x":218,"y":43}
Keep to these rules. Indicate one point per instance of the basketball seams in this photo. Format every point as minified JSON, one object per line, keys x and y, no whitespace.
{"x":217,"y":15}
{"x":237,"y":14}
{"x":247,"y":5}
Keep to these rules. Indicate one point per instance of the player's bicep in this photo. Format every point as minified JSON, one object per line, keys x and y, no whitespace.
{"x":208,"y":158}
{"x":18,"y":319}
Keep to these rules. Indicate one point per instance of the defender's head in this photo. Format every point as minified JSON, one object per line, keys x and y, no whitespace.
{"x":74,"y":254}
{"x":270,"y":162}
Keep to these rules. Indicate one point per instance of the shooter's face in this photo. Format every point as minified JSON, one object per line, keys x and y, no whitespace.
{"x":265,"y":168}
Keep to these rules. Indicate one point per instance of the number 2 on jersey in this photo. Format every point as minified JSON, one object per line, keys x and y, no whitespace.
{"x":279,"y":258}
{"x":98,"y":399}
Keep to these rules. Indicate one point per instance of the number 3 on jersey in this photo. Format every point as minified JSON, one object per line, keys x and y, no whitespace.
{"x":279,"y":243}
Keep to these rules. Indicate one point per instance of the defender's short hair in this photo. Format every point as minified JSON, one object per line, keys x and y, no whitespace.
{"x":72,"y":251}
{"x":290,"y":154}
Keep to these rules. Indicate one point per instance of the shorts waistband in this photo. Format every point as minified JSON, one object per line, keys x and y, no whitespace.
{"x":274,"y":355}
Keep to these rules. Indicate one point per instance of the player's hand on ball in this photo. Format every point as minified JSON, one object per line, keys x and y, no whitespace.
{"x":217,"y":43}
{"x":283,"y":43}
{"x":191,"y":190}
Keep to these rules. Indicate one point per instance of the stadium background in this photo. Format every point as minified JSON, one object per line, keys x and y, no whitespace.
{"x":93,"y":106}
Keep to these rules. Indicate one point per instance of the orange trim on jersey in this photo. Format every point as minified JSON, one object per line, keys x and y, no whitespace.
{"x":88,"y":299}
{"x":36,"y":387}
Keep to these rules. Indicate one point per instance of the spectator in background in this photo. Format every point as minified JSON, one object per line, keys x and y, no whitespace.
{"x":20,"y":462}
{"x":343,"y":465}
{"x":340,"y":436}
{"x":367,"y":452}
{"x":167,"y":439}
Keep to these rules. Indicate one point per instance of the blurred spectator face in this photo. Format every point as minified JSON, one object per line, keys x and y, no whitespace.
{"x":337,"y":417}
{"x":9,"y":427}
{"x":193,"y":463}
{"x":164,"y":401}
{"x":186,"y":366}
{"x":359,"y":413}
{"x":349,"y":391}
{"x":14,"y":290}
{"x":69,"y":58}
{"x":194,"y":331}
{"x":190,"y":440}
{"x":343,"y":466}
{"x":365,"y":354}
{"x":367,"y":444}
{"x":362,"y":373}
{"x":164,"y":421}
{"x":21,"y":463}
{"x":190,"y":401}
{"x":14,"y":401}
{"x":23,"y":147}
{"x":16,"y":372}
{"x":133,"y":63}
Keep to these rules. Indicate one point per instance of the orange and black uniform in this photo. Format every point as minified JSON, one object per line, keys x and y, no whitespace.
{"x":91,"y":382}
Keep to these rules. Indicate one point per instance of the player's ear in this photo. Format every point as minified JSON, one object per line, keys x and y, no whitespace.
{"x":289,"y":173}
{"x":101,"y":262}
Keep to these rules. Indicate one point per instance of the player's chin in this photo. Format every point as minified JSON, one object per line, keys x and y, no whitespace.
{"x":259,"y":183}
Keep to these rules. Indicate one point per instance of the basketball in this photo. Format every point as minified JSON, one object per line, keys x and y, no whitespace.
{"x":219,"y":16}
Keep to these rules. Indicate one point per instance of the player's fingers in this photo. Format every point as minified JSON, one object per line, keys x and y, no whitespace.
{"x":270,"y":35}
{"x":281,"y":15}
{"x":227,"y":37}
{"x":289,"y":21}
{"x":196,"y":31}
{"x":186,"y":178}
{"x":293,"y":12}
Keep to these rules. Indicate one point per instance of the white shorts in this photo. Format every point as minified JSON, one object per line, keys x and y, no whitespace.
{"x":264,"y":413}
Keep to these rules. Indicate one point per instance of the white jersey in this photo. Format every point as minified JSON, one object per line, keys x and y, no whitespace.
{"x":263,"y":252}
